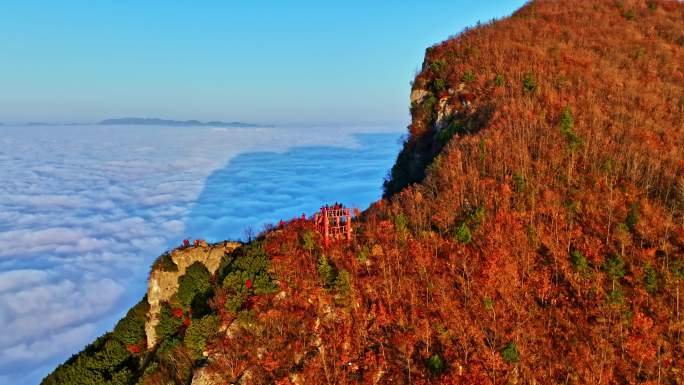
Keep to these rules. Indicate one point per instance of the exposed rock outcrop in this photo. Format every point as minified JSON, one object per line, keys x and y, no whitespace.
{"x":445,"y":110}
{"x":418,"y":94}
{"x":163,"y":284}
{"x":203,"y":377}
{"x":452,"y":102}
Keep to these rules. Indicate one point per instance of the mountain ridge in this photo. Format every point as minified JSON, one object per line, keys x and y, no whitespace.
{"x":153,"y":122}
{"x":177,"y":123}
{"x":532,"y":231}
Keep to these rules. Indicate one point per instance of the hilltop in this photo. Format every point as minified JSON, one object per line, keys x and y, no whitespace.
{"x":531,"y":231}
{"x":175,"y":123}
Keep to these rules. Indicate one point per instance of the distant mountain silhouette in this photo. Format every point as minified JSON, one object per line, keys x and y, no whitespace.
{"x":178,"y":123}
{"x":38,"y":124}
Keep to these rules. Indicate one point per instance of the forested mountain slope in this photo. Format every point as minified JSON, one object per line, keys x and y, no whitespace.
{"x":532,"y":231}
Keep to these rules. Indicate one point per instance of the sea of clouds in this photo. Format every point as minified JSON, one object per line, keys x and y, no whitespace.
{"x":84,"y":210}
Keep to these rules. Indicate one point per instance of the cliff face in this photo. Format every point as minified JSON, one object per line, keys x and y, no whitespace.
{"x":163,"y":282}
{"x":532,"y":231}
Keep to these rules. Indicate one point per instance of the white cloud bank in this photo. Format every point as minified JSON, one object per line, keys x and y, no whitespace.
{"x":85,"y":210}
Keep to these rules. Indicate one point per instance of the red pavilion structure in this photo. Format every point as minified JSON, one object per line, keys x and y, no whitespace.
{"x":334,"y":222}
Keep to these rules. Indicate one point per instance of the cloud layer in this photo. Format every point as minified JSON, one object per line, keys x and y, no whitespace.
{"x":85,"y":210}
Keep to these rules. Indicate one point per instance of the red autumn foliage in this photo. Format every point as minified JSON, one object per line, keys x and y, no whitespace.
{"x":532,"y":230}
{"x":538,"y":246}
{"x":177,"y":312}
{"x":137,"y":347}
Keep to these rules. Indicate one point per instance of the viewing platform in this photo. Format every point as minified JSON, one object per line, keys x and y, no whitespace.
{"x":334,"y":223}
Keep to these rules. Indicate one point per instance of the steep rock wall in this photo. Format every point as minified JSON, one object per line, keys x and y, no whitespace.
{"x":164,"y":284}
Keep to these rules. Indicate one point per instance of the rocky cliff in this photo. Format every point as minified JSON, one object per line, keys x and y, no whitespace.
{"x":163,"y":282}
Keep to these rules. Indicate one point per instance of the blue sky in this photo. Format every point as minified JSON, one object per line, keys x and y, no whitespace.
{"x":261,"y":61}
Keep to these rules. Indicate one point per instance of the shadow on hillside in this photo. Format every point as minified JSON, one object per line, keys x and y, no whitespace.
{"x":257,"y":188}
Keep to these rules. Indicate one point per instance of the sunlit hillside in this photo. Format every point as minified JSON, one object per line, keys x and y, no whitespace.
{"x":532,"y":232}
